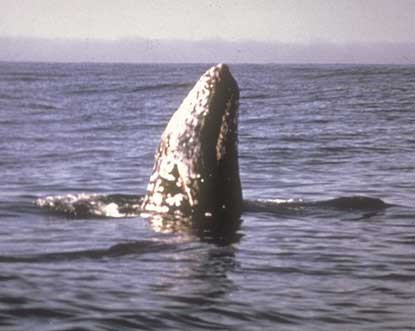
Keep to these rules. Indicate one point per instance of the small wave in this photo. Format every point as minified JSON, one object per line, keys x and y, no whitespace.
{"x":21,"y":78}
{"x":4,"y":96}
{"x":32,"y":74}
{"x":124,"y":89}
{"x":41,"y":106}
{"x":352,"y":203}
{"x":161,"y":86}
{"x":255,"y":96}
{"x":92,"y":205}
{"x":118,"y":250}
{"x":357,"y":71}
{"x":83,"y":91}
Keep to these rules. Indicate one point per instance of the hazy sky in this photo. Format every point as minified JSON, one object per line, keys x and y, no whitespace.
{"x":297,"y":21}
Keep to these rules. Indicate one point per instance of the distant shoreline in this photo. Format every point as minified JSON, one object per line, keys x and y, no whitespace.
{"x":208,"y":63}
{"x":148,"y":51}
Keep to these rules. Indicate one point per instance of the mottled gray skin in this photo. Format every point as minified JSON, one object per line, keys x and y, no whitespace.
{"x":196,"y":169}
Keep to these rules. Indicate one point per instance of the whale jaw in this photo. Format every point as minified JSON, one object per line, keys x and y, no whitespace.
{"x":196,"y":169}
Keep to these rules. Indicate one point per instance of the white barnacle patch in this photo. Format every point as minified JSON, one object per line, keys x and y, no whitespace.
{"x":190,"y":122}
{"x":111,"y":210}
{"x":194,"y":175}
{"x":169,"y":165}
{"x":157,"y":208}
{"x":153,"y":176}
{"x":157,"y":198}
{"x":166,"y":169}
{"x":150,"y":187}
{"x":175,"y":200}
{"x":164,"y":209}
{"x":204,"y":102}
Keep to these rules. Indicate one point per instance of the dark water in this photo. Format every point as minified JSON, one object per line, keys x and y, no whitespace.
{"x":308,"y":134}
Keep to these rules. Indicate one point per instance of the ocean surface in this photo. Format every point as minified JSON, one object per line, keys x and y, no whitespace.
{"x":327,"y":162}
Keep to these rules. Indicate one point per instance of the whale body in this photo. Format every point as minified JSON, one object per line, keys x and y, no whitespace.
{"x":196,"y":171}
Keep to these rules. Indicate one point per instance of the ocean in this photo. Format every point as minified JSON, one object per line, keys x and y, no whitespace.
{"x":327,"y":163}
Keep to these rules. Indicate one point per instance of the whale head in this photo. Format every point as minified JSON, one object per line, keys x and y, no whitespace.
{"x":196,"y":171}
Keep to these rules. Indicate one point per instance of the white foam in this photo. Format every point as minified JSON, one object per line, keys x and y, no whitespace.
{"x":111,"y":210}
{"x":82,"y":205}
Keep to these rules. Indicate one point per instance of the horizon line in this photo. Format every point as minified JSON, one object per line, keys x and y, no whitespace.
{"x":208,"y":62}
{"x":219,"y":40}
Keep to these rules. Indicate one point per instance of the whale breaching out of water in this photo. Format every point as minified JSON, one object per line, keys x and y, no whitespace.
{"x":196,"y":171}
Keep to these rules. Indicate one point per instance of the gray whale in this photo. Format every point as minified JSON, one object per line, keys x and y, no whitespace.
{"x":196,"y":171}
